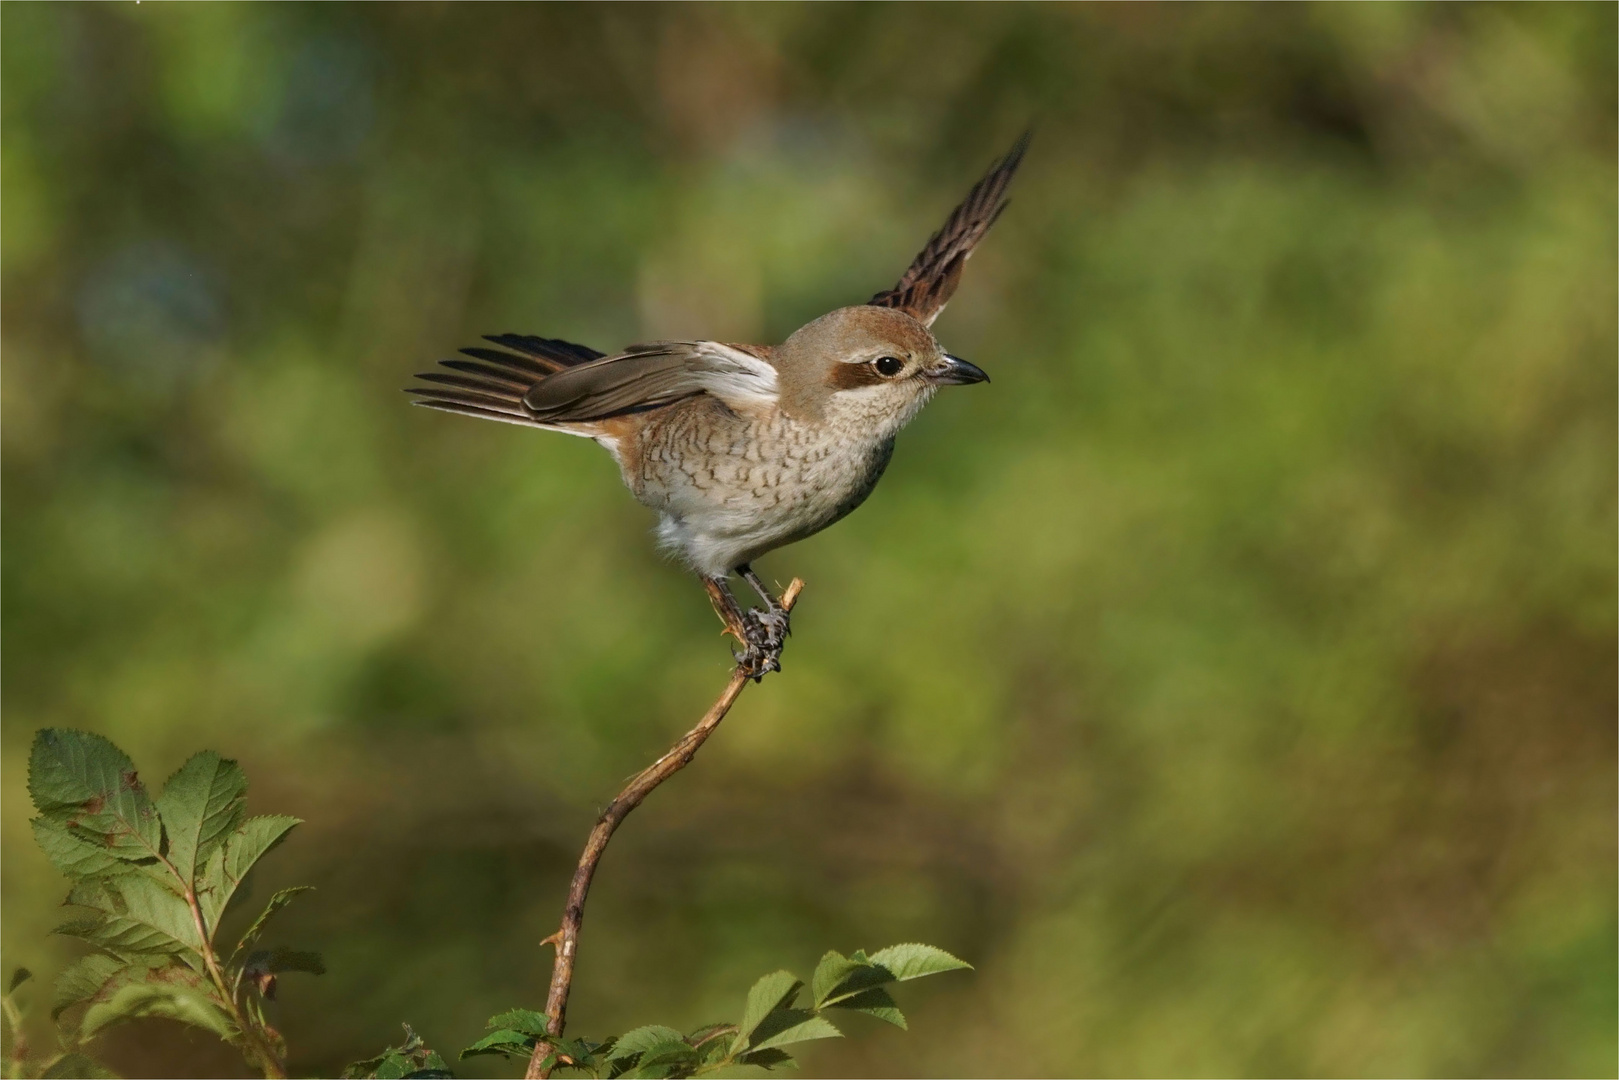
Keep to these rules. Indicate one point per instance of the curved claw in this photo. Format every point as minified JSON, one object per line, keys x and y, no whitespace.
{"x":756,"y":663}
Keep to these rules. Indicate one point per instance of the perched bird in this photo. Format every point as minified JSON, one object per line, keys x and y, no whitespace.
{"x":742,"y":449}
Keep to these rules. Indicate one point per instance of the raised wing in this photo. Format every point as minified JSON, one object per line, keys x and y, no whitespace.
{"x":932,"y":278}
{"x":641,"y":377}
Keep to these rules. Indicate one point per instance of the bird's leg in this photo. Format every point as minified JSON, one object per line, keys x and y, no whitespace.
{"x":726,"y":607}
{"x":774,"y":618}
{"x":768,"y":629}
{"x":757,"y":657}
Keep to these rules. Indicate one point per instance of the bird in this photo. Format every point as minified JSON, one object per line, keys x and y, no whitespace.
{"x":743,"y":449}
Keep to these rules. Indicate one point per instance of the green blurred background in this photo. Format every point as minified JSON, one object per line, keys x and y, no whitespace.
{"x":1232,"y":681}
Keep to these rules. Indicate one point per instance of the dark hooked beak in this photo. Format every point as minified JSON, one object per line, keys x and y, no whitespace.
{"x":955,"y":372}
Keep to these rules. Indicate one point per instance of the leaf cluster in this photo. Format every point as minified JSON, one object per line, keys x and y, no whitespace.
{"x":773,"y":1017}
{"x":411,"y":1060}
{"x":154,"y":878}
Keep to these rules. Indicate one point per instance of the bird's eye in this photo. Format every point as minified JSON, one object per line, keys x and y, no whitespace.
{"x":889,"y":366}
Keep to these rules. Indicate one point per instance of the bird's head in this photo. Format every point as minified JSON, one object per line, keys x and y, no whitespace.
{"x":867,"y":365}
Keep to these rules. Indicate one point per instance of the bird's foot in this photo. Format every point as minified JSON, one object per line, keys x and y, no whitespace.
{"x":764,"y":634}
{"x":775,"y":623}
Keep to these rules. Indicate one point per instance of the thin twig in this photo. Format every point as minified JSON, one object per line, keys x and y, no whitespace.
{"x":19,"y":1041}
{"x":269,"y":1060}
{"x":573,"y":915}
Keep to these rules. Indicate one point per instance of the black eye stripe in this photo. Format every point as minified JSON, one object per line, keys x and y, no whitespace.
{"x":854,"y":376}
{"x":850,"y":376}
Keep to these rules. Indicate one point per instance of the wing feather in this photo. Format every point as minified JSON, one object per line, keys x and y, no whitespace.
{"x":555,"y":384}
{"x":518,"y":366}
{"x":465,"y":382}
{"x":492,"y":373}
{"x":492,"y":384}
{"x":647,"y":376}
{"x":554,"y":352}
{"x":473,"y":410}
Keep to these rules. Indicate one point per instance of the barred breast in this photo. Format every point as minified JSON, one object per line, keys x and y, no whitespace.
{"x":730,"y":487}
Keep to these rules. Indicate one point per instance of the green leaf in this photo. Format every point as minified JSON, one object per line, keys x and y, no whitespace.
{"x":362,"y":1070}
{"x":145,"y":920}
{"x":277,"y":902}
{"x":77,"y":1067}
{"x":639,"y":1040}
{"x":665,"y":1057}
{"x":84,"y":979}
{"x":73,"y":855}
{"x":579,"y":1052}
{"x":506,"y":1041}
{"x":713,"y":1051}
{"x":832,"y":970}
{"x":837,"y":977}
{"x":912,"y":961}
{"x":213,"y":888}
{"x":80,"y":927}
{"x":202,"y":802}
{"x":713,"y":1041}
{"x":243,"y":848}
{"x":152,"y":919}
{"x":122,"y":936}
{"x":699,"y":1036}
{"x":91,"y":786}
{"x":157,"y":999}
{"x":178,"y":975}
{"x":254,"y":839}
{"x":771,"y":992}
{"x":580,"y":1047}
{"x":18,"y":977}
{"x":786,"y":1026}
{"x":413,"y":1058}
{"x":873,"y":1002}
{"x":97,"y":893}
{"x":69,"y":768}
{"x":527,"y":1021}
{"x":150,"y":904}
{"x":767,"y":1059}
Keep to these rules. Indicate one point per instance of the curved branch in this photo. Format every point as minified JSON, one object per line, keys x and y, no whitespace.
{"x":678,"y":757}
